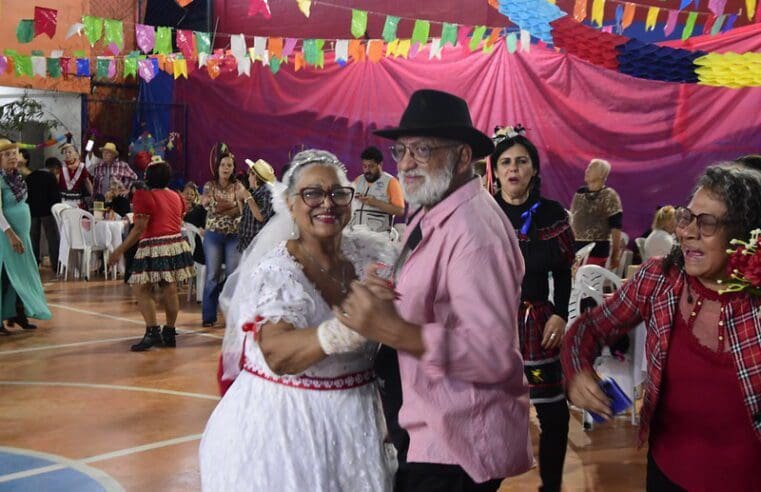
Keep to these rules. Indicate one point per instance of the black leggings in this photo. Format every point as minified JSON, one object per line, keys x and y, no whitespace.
{"x":553,"y":440}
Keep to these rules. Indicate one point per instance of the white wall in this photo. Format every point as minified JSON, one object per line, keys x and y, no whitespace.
{"x":63,"y":106}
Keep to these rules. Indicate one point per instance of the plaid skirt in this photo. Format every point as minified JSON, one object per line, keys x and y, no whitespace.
{"x":541,"y":366}
{"x":162,"y":259}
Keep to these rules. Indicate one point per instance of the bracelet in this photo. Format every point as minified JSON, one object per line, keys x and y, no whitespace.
{"x":247,"y":199}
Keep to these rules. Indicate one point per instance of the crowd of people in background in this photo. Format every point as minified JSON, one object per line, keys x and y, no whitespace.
{"x":466,"y":325}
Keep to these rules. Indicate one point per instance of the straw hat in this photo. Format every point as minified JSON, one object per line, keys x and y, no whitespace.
{"x":155,"y":159}
{"x":111,"y":147}
{"x":262,"y":169}
{"x":6,"y":144}
{"x":66,"y":146}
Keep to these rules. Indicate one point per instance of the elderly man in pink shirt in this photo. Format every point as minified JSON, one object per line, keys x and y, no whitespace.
{"x":458,"y":280}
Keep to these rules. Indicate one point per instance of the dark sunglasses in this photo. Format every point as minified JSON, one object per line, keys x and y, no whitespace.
{"x":707,"y":223}
{"x":313,"y":197}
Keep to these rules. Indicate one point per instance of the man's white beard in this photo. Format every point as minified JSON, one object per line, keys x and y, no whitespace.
{"x":432,"y":190}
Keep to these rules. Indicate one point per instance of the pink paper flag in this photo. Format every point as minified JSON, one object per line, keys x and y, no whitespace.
{"x":186,"y":43}
{"x":290,"y":44}
{"x":113,"y":49}
{"x":145,"y":69}
{"x":259,"y":7}
{"x":3,"y":64}
{"x":111,"y":68}
{"x":414,"y":50}
{"x":462,"y":35}
{"x":608,"y":28}
{"x":717,"y":6}
{"x":671,"y":22}
{"x":146,"y":37}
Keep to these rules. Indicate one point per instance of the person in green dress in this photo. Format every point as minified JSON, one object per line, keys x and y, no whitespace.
{"x":21,"y":293}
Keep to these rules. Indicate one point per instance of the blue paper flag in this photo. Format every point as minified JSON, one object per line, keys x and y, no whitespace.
{"x":83,"y":67}
{"x":532,"y":16}
{"x":684,"y":4}
{"x":730,"y":23}
{"x":619,"y":14}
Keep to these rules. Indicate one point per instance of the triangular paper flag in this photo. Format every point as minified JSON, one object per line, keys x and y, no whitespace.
{"x":478,"y":36}
{"x":145,"y":70}
{"x":145,"y":37}
{"x":53,"y":67}
{"x":435,"y":49}
{"x":93,"y":28}
{"x":163,"y":41}
{"x":730,"y":23}
{"x":203,"y":42}
{"x":493,"y":37}
{"x":25,"y":31}
{"x":358,"y":23}
{"x":670,"y":22}
{"x":39,"y":66}
{"x":652,"y":18}
{"x":290,"y":44}
{"x":420,"y":31}
{"x":298,"y":61}
{"x":203,"y":58}
{"x":305,"y":7}
{"x":629,"y":10}
{"x":45,"y":21}
{"x":414,"y":49}
{"x":717,"y":25}
{"x":356,"y":50}
{"x":101,"y":71}
{"x":619,"y":15}
{"x":448,"y":34}
{"x":580,"y":10}
{"x":114,"y":33}
{"x":64,"y":63}
{"x":83,"y":67}
{"x":275,"y":47}
{"x":256,"y":7}
{"x":598,"y":11}
{"x":403,"y":49}
{"x":389,"y":28}
{"x":462,"y":36}
{"x":260,"y":47}
{"x":309,"y":48}
{"x":3,"y":64}
{"x":709,"y":24}
{"x":244,"y":66}
{"x":375,"y":50}
{"x":24,"y":66}
{"x":392,"y":47}
{"x":689,"y":25}
{"x":717,"y":6}
{"x":75,"y":28}
{"x":342,"y":50}
{"x":238,"y":46}
{"x":275,"y":65}
{"x":525,"y":40}
{"x":185,"y":43}
{"x":750,"y":8}
{"x":683,"y":4}
{"x":111,"y":68}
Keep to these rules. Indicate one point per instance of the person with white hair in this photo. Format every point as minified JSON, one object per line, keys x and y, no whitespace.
{"x":596,"y":215}
{"x":301,"y":409}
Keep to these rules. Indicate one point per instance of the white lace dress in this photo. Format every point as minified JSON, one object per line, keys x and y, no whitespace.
{"x":321,"y":430}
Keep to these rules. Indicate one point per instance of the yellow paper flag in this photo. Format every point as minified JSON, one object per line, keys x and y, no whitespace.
{"x":628,"y":17}
{"x":392,"y":47}
{"x":180,"y":69}
{"x":580,"y":10}
{"x":403,"y":49}
{"x":304,"y":6}
{"x":750,"y":8}
{"x":652,"y":18}
{"x":598,"y":10}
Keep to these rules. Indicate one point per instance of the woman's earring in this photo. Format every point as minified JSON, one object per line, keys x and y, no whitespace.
{"x":294,"y":230}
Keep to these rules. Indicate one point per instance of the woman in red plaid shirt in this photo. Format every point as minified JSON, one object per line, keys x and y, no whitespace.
{"x":702,"y":403}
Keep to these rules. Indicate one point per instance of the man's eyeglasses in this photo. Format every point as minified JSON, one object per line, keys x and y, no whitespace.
{"x":313,"y":197}
{"x":707,"y":223}
{"x":420,"y":151}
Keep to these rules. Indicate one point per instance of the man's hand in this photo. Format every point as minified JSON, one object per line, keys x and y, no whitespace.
{"x":365,"y":312}
{"x":16,"y":243}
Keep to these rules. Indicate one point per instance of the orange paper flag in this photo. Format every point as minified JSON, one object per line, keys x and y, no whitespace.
{"x":580,"y":10}
{"x":298,"y":60}
{"x":492,"y":39}
{"x":628,"y":17}
{"x":356,"y":50}
{"x":169,"y":66}
{"x":375,"y":50}
{"x":275,"y":46}
{"x":212,"y":65}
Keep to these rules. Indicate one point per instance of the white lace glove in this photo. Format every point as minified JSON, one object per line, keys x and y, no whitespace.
{"x":336,"y":338}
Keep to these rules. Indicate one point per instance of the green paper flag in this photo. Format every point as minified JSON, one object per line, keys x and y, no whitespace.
{"x":389,"y":28}
{"x":478,"y":36}
{"x":93,"y":28}
{"x":274,"y":65}
{"x":203,"y":42}
{"x":23,"y":66}
{"x":114,"y":32}
{"x":25,"y":31}
{"x":102,"y":70}
{"x":130,"y":66}
{"x":319,"y":45}
{"x":448,"y":34}
{"x":309,"y":47}
{"x":79,"y":54}
{"x":689,"y":25}
{"x":54,"y":67}
{"x":163,"y":44}
{"x":512,"y":42}
{"x":38,"y":53}
{"x":420,"y":32}
{"x":717,"y":25}
{"x":358,"y":23}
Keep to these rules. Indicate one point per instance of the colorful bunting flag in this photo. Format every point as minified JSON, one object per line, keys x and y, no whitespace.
{"x":689,"y":25}
{"x":683,"y":4}
{"x":619,"y":15}
{"x":477,"y":37}
{"x":83,"y":67}
{"x":53,"y":67}
{"x":64,"y":62}
{"x":275,"y":47}
{"x":671,"y":22}
{"x":491,"y":42}
{"x":244,"y":66}
{"x":717,"y":6}
{"x":730,"y":23}
{"x":163,"y":44}
{"x":390,"y":27}
{"x":260,"y":48}
{"x":275,"y":65}
{"x":717,"y":25}
{"x":203,"y":42}
{"x":45,"y":21}
{"x":358,"y":23}
{"x":114,"y":33}
{"x":512,"y":42}
{"x":375,"y":50}
{"x":392,"y":47}
{"x":305,"y":8}
{"x":356,"y":50}
{"x":420,"y":31}
{"x":256,"y":7}
{"x":298,"y":61}
{"x":130,"y":66}
{"x":185,"y":43}
{"x":25,"y":31}
{"x":629,"y":10}
{"x":145,"y":37}
{"x":580,"y":10}
{"x":652,"y":18}
{"x":403,"y":49}
{"x":435,"y":49}
{"x":342,"y":51}
{"x":290,"y":44}
{"x":146,"y":70}
{"x":462,"y":35}
{"x":101,"y":70}
{"x":38,"y":66}
{"x":448,"y":34}
{"x":111,"y":68}
{"x":750,"y":8}
{"x":23,"y":65}
{"x":598,"y":11}
{"x":93,"y":29}
{"x":708,"y":26}
{"x":238,"y":46}
{"x":525,"y":40}
{"x":212,"y":66}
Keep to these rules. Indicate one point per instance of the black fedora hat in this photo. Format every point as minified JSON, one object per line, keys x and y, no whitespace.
{"x":433,"y":113}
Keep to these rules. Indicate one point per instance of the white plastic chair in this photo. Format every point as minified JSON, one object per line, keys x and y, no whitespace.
{"x":193,"y":234}
{"x":63,"y":244}
{"x":82,"y":238}
{"x":582,"y":255}
{"x":640,"y":242}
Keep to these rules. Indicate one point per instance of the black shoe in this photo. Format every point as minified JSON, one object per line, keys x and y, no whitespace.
{"x":152,"y":337}
{"x":168,"y":334}
{"x":208,"y":324}
{"x":23,"y":322}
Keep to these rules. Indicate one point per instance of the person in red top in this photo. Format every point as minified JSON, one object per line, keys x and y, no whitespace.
{"x":74,"y":179}
{"x":163,"y":256}
{"x":702,"y":403}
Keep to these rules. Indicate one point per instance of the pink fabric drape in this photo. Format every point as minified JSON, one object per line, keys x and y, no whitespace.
{"x":658,"y":136}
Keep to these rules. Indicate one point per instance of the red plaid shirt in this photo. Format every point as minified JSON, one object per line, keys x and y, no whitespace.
{"x":653,"y":296}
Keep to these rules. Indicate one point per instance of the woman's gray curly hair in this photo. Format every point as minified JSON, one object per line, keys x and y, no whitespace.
{"x":309,"y":158}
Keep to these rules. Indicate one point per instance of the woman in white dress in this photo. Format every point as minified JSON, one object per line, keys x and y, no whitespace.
{"x":303,"y":412}
{"x":661,"y":241}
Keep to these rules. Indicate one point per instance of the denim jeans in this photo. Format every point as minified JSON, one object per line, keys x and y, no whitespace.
{"x":219,"y":249}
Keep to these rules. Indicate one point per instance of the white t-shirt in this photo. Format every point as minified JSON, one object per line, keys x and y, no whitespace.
{"x":658,"y":243}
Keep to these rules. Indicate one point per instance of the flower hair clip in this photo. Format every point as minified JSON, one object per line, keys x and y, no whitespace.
{"x":505,"y":132}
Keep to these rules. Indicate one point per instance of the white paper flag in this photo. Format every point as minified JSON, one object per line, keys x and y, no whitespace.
{"x":260,"y":47}
{"x":525,"y":40}
{"x":238,"y":46}
{"x":75,"y":28}
{"x":244,"y":66}
{"x":435,"y":48}
{"x":39,"y":66}
{"x":342,"y":50}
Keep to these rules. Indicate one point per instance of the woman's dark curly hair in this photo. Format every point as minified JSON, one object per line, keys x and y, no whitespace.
{"x":536,"y":181}
{"x":740,"y":190}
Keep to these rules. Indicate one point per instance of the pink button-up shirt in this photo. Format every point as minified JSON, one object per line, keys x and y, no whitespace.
{"x":466,"y":400}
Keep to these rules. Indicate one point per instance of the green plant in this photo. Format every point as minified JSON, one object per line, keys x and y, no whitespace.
{"x":16,"y":115}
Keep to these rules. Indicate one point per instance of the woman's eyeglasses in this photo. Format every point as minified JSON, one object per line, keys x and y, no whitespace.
{"x":313,"y":197}
{"x":421,"y":151}
{"x":707,"y":223}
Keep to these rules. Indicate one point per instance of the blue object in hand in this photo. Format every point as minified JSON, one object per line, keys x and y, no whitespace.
{"x":618,"y":399}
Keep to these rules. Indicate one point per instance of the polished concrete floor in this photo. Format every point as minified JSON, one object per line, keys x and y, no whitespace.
{"x":80,"y":412}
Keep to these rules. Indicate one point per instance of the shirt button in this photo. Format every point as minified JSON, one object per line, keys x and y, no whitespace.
{"x":721,"y":323}
{"x":721,"y":339}
{"x":693,"y":314}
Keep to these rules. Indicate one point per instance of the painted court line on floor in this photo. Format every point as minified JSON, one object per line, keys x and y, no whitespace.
{"x":112,"y":387}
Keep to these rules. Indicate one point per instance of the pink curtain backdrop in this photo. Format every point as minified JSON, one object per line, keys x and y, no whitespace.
{"x":658,"y":136}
